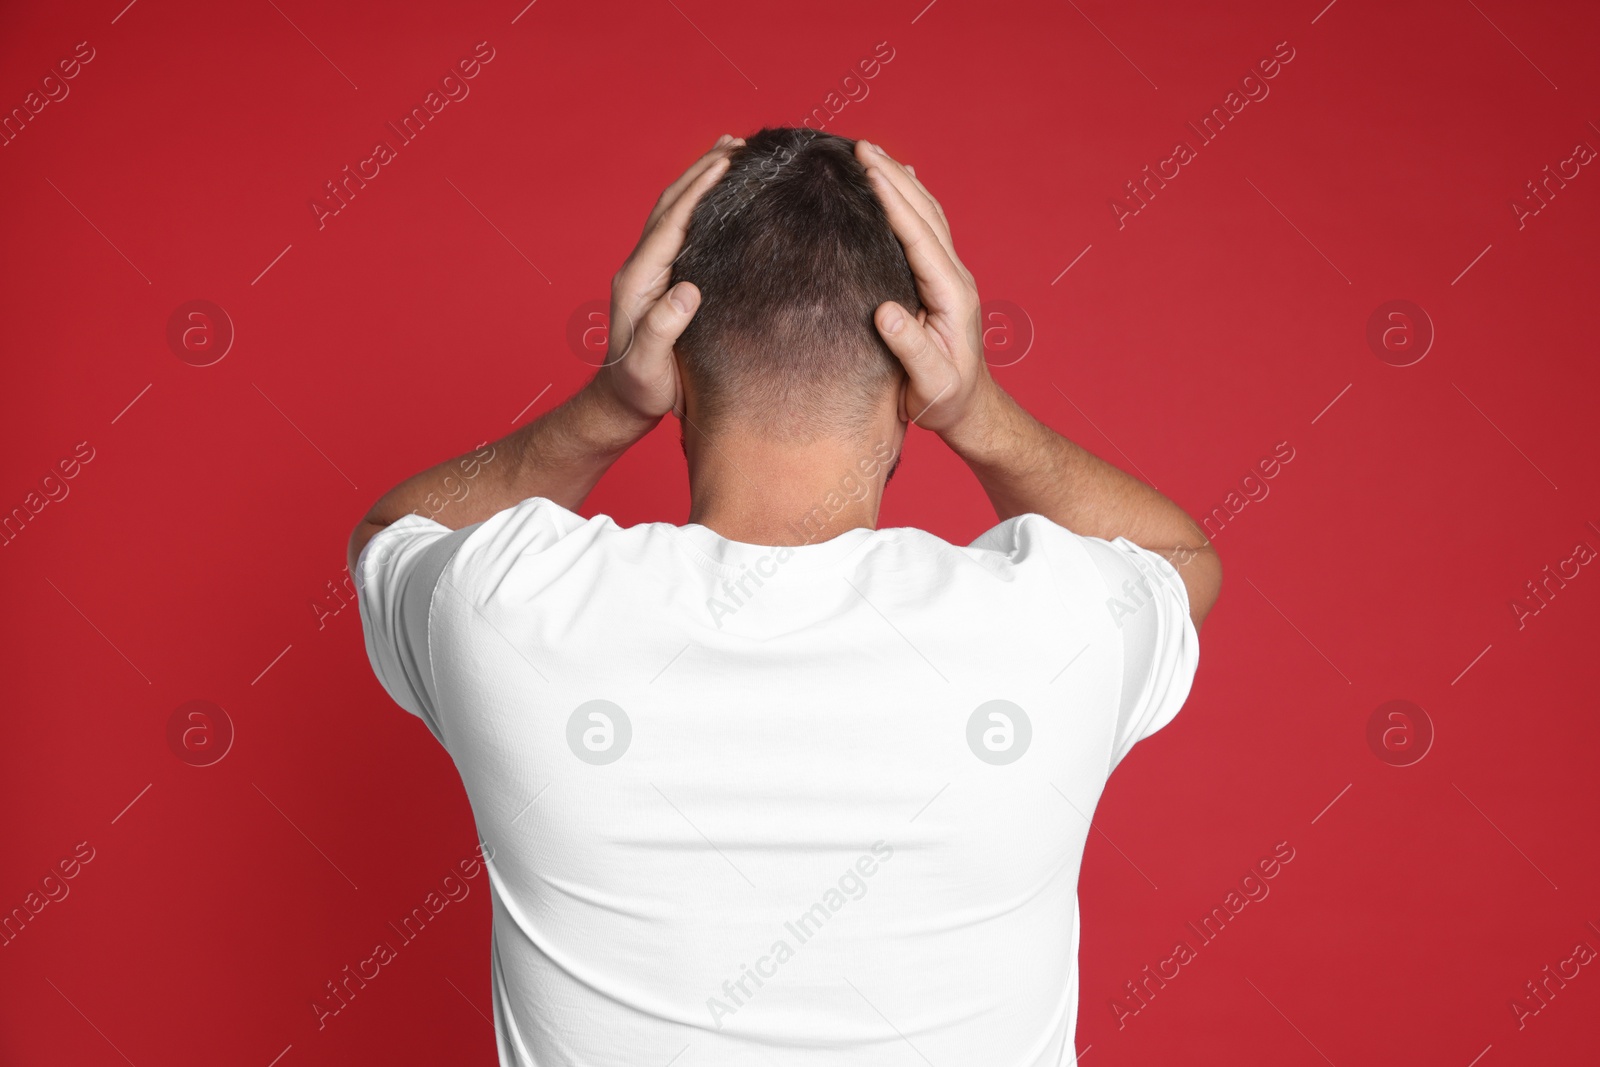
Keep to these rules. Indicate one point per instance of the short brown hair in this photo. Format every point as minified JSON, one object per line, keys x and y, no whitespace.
{"x":792,"y":253}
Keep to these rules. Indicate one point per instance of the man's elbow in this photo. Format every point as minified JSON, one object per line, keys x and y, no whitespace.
{"x":1202,"y":578}
{"x":365,"y":531}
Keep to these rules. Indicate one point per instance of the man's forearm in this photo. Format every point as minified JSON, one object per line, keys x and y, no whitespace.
{"x":1025,"y":467}
{"x":561,"y":456}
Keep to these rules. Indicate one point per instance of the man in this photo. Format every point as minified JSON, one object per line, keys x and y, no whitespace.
{"x":776,"y":786}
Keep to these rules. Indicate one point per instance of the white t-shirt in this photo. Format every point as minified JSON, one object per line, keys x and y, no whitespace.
{"x":749,"y":805}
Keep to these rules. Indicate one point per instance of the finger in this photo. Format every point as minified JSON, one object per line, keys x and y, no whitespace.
{"x":939,"y":283}
{"x":655,"y":334}
{"x":669,"y":196}
{"x":911,"y":342}
{"x":913,"y":190}
{"x":646,"y":271}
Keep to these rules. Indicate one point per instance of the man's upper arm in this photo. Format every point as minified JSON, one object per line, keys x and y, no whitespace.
{"x":395,"y":575}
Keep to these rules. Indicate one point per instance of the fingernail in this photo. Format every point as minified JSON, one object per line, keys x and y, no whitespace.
{"x":680,"y":298}
{"x":893,"y":321}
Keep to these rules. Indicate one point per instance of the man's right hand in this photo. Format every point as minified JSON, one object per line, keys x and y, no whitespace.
{"x":941,"y":348}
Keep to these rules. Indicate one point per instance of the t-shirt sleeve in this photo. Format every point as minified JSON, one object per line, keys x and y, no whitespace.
{"x":1148,"y":605}
{"x":396,"y":575}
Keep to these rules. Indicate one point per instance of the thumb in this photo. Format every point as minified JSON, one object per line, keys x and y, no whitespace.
{"x":666,"y":320}
{"x":909,"y":341}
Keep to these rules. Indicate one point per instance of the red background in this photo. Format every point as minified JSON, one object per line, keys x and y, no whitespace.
{"x":1224,"y":318}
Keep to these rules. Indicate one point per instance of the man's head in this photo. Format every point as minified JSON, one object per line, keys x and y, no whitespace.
{"x":792,"y":253}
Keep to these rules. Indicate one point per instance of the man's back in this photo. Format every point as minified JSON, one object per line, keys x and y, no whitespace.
{"x":759,"y":803}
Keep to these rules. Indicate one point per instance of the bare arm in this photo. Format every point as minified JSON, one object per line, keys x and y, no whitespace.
{"x":1023,"y":465}
{"x":562,"y":454}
